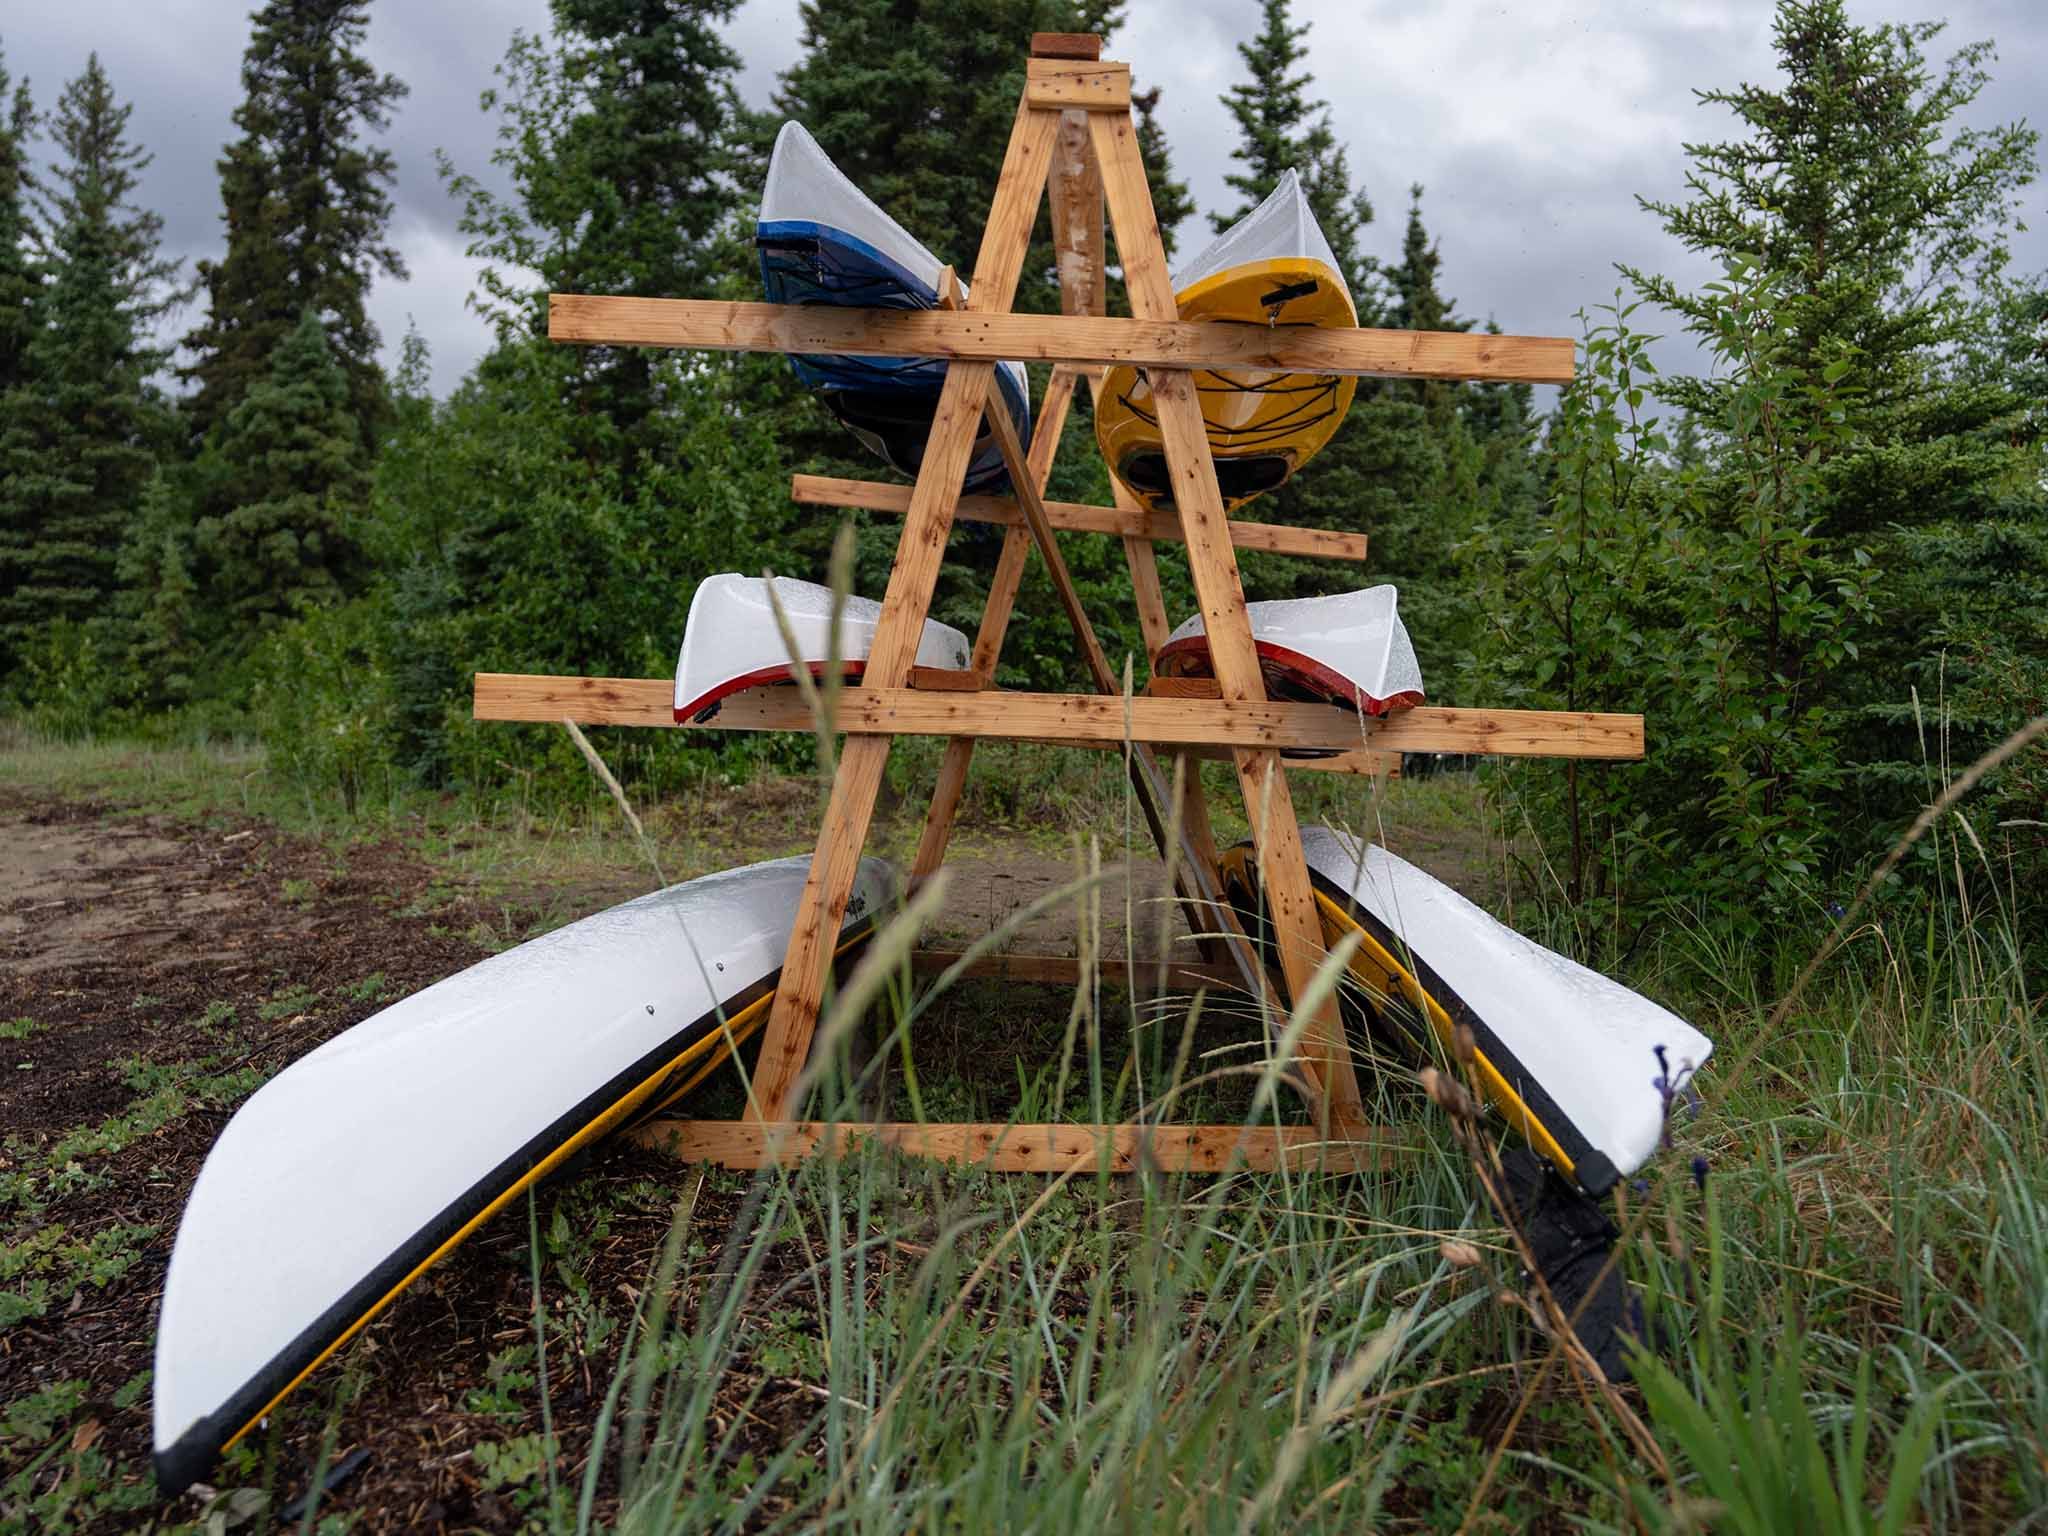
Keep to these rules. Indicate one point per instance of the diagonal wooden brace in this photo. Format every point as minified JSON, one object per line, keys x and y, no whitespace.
{"x":919,"y":550}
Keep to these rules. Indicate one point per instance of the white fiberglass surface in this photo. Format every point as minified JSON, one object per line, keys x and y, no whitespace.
{"x":1586,"y":1039}
{"x":1280,"y":227}
{"x":804,"y":186}
{"x":731,"y":633}
{"x":353,"y":1150}
{"x":1358,"y":635}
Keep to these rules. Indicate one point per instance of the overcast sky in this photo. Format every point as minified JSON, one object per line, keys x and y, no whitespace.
{"x":1533,"y":126}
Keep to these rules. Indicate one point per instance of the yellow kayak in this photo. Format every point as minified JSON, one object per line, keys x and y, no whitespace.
{"x":1272,"y":267}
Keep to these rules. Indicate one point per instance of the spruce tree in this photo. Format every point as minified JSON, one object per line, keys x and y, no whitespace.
{"x":294,"y":477}
{"x":615,"y":147}
{"x":305,"y":201}
{"x":19,"y":279}
{"x":1280,"y":127}
{"x":1881,"y":225}
{"x":79,"y":436}
{"x":1855,"y":185}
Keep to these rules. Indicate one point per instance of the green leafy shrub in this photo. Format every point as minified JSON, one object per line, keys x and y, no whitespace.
{"x":320,"y":700}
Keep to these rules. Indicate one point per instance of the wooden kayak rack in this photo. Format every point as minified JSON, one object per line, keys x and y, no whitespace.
{"x":1073,"y":136}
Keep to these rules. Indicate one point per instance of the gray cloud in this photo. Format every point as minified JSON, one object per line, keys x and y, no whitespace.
{"x":1533,"y":126}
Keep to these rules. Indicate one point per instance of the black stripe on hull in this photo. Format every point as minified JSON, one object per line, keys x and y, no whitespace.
{"x":1591,"y":1169}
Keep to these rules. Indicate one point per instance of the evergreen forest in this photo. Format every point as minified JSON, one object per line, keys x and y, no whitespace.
{"x":1820,"y":567}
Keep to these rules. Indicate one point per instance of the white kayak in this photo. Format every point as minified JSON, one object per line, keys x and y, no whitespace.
{"x":731,"y":640}
{"x":1349,"y":649}
{"x":363,"y":1163}
{"x":1570,"y":1057}
{"x":822,"y":241}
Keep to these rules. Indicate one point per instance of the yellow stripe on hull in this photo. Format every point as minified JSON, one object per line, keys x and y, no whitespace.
{"x":1383,"y":977}
{"x":1262,"y":427}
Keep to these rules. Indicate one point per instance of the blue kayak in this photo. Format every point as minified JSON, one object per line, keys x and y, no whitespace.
{"x":823,"y":241}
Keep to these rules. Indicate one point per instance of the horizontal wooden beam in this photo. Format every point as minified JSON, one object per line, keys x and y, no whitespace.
{"x":719,"y":326}
{"x":1065,"y":970}
{"x":1077,"y":517}
{"x":1090,"y":84}
{"x":1078,"y":719}
{"x":1030,"y":1148}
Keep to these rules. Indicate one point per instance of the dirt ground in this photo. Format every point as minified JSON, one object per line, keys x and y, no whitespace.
{"x":154,"y":973}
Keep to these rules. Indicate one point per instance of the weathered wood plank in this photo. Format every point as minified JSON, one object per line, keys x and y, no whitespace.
{"x":978,"y":336}
{"x":1034,"y":1148}
{"x":1130,"y":522}
{"x":995,"y":624}
{"x":1078,"y":719}
{"x":1065,"y":970}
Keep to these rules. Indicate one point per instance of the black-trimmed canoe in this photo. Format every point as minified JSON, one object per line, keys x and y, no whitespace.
{"x":824,"y":241}
{"x":354,"y":1170}
{"x":1566,"y":1056}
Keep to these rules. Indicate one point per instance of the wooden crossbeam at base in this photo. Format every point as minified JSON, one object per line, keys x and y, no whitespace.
{"x":1079,"y":719}
{"x":1038,"y":1148}
{"x":1065,"y":970}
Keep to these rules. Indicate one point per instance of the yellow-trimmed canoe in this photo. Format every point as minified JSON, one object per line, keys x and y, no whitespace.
{"x":1272,"y":267}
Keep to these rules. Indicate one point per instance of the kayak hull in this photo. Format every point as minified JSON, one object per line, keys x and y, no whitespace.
{"x":822,"y":241}
{"x":1566,"y":1056}
{"x":368,"y":1160}
{"x":732,"y":642}
{"x":1271,"y":268}
{"x":1349,"y":649}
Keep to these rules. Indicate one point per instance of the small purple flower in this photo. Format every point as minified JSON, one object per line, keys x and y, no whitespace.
{"x":1699,"y":1173}
{"x":1837,"y":911}
{"x":1673,"y":1088}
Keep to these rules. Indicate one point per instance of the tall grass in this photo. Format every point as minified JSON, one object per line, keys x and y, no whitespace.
{"x":1845,"y":1260}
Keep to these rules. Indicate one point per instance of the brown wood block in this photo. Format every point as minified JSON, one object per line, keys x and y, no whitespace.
{"x":1066,"y":45}
{"x":1091,"y":85}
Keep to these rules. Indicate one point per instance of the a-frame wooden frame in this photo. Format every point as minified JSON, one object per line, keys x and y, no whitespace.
{"x":1074,"y":132}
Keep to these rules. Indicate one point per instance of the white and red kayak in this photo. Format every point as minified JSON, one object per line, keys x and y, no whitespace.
{"x":732,"y":642}
{"x":1349,"y":649}
{"x":363,"y":1163}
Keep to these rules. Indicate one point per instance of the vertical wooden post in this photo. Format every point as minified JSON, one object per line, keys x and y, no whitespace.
{"x":1080,"y":241}
{"x":919,"y":550}
{"x":1297,"y":929}
{"x":995,"y":624}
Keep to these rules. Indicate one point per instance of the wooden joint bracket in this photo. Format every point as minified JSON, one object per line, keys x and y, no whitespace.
{"x":1054,"y":85}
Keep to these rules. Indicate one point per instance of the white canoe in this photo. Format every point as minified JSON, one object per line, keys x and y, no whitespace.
{"x":1578,"y":1050}
{"x":1349,"y":649}
{"x":356,"y":1168}
{"x":731,"y":640}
